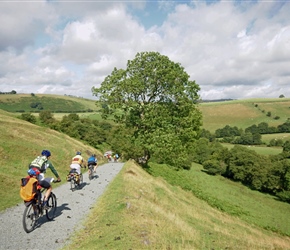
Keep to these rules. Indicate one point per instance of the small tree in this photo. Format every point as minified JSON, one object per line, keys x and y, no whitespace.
{"x":46,"y":117}
{"x":28,"y":117}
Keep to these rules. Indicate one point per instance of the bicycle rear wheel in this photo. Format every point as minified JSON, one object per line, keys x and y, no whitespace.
{"x":90,"y":172}
{"x":51,"y":203}
{"x":72,"y":184}
{"x":30,"y":216}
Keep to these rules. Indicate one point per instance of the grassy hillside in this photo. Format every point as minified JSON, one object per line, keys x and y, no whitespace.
{"x":54,"y":103}
{"x":244,"y":113}
{"x":139,"y":211}
{"x":20,"y":143}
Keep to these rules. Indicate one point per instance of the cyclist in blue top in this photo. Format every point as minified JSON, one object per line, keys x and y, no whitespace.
{"x":93,"y":161}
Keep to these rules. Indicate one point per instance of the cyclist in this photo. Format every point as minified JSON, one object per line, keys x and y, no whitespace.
{"x":42,"y":163}
{"x":93,"y":161}
{"x":77,"y":163}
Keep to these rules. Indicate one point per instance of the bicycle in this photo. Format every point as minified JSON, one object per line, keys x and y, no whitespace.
{"x":34,"y":210}
{"x":75,"y":179}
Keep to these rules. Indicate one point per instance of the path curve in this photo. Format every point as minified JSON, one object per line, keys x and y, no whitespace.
{"x":72,"y":208}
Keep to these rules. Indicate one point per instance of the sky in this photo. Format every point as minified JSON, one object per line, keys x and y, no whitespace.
{"x":232,"y":49}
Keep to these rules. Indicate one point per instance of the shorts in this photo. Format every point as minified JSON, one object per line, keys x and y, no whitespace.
{"x":44,"y":184}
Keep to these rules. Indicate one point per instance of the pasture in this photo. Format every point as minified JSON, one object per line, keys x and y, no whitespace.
{"x":244,"y":113}
{"x":39,"y":102}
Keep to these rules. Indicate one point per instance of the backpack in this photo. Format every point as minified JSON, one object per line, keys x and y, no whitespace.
{"x":28,"y":188}
{"x":39,"y":162}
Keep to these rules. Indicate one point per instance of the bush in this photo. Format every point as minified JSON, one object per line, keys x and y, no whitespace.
{"x":284,"y":196}
{"x":28,"y":117}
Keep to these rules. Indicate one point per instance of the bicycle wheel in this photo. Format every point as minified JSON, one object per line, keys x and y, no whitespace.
{"x":80,"y":180}
{"x":30,"y":217}
{"x":72,"y":184}
{"x":90,"y":172}
{"x":51,"y":203}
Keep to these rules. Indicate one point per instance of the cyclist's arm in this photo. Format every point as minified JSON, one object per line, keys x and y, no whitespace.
{"x":53,"y":170}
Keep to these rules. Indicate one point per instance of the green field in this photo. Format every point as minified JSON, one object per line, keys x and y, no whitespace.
{"x":282,"y":136}
{"x":263,"y":150}
{"x":244,"y":113}
{"x":53,"y":103}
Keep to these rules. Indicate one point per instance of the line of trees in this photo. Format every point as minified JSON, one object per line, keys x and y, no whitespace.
{"x":269,"y":174}
{"x":8,"y":93}
{"x":252,"y":135}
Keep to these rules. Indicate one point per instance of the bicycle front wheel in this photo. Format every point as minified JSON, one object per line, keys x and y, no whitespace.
{"x":30,"y":217}
{"x":51,"y":203}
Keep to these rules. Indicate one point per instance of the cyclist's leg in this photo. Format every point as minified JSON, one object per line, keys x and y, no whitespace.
{"x":78,"y":169}
{"x":95,"y":167}
{"x":48,"y":188}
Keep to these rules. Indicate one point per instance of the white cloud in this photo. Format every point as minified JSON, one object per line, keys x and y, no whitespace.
{"x":231,"y":50}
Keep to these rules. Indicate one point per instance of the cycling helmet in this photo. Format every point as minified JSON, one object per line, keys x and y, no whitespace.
{"x":93,"y":155}
{"x":78,"y":153}
{"x":46,"y":153}
{"x":33,"y":172}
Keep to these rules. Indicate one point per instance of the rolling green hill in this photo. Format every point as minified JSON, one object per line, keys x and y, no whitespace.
{"x":38,"y":102}
{"x":240,"y":113}
{"x":244,"y":113}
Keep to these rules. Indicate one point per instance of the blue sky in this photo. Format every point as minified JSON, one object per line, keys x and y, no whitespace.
{"x":232,"y":49}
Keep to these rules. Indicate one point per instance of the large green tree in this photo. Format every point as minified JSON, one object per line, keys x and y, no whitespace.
{"x":154,"y":97}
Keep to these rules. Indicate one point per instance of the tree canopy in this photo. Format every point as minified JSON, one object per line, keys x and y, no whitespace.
{"x":154,"y":97}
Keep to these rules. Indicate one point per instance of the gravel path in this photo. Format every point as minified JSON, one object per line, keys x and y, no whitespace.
{"x":72,"y":208}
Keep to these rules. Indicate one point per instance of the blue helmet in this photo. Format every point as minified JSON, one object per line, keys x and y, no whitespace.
{"x":33,"y":171}
{"x":46,"y":153}
{"x":78,"y":153}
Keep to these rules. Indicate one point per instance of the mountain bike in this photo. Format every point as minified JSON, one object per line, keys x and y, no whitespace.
{"x":34,"y":210}
{"x":75,"y":179}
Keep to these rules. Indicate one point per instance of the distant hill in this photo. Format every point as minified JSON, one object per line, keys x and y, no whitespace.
{"x":216,"y":113}
{"x":38,"y":102}
{"x":244,"y":113}
{"x":216,"y":100}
